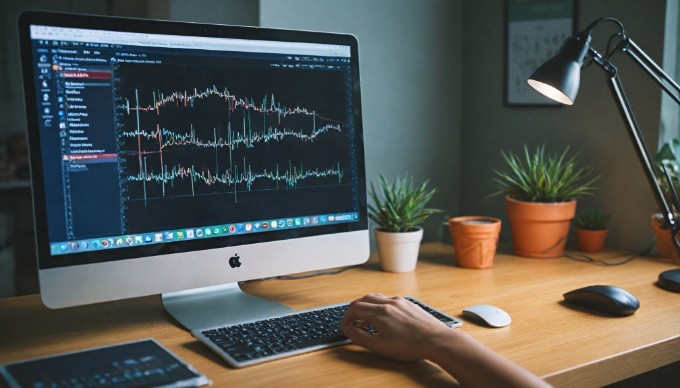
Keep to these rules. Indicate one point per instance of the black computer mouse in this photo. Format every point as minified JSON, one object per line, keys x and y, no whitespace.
{"x":606,"y":299}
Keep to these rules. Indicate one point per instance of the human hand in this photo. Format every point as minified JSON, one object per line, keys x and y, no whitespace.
{"x":398,"y":329}
{"x":392,"y":327}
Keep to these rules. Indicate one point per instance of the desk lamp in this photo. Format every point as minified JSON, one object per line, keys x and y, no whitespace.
{"x":558,"y":79}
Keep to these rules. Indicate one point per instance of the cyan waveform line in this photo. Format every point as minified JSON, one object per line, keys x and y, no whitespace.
{"x":291,"y":176}
{"x":185,"y":99}
{"x":234,"y":175}
{"x":245,"y":138}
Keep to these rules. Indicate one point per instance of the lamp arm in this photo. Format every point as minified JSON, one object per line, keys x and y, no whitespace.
{"x":659,"y":76}
{"x":651,"y":68}
{"x":635,"y":134}
{"x":641,"y":149}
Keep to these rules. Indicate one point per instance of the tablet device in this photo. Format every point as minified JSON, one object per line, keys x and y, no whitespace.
{"x":142,"y":363}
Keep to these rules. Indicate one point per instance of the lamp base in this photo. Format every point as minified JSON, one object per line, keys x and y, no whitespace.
{"x":670,"y":280}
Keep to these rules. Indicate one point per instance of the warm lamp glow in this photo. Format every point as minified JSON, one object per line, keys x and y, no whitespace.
{"x":559,"y":77}
{"x":550,"y":92}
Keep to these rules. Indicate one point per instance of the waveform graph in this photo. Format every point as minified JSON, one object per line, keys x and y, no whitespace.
{"x":220,"y":142}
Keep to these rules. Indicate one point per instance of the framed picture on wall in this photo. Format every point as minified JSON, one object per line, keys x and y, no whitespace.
{"x":534,"y":32}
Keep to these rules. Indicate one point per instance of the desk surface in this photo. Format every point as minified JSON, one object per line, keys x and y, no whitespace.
{"x":565,"y":346}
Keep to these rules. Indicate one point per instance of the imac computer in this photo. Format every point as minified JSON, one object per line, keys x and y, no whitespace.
{"x":181,"y":158}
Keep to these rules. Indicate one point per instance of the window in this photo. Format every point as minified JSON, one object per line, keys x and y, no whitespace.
{"x":670,"y":110}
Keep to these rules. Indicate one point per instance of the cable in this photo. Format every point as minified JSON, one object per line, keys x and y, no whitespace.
{"x":588,"y":259}
{"x":592,"y":25}
{"x":609,"y":52}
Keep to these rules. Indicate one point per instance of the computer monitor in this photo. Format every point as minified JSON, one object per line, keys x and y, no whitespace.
{"x":182,"y":158}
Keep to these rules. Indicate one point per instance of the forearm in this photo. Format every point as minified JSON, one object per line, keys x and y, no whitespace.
{"x":473,"y":364}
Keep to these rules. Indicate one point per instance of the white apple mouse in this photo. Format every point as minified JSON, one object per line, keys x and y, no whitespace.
{"x":491,"y":315}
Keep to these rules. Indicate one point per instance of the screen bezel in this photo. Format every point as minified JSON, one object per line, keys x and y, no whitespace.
{"x":45,"y":259}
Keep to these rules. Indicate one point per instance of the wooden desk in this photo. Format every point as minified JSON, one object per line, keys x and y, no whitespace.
{"x":565,"y":346}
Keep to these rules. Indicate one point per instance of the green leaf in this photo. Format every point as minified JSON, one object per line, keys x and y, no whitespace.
{"x":541,"y":177}
{"x":401,"y":206}
{"x":668,"y":156}
{"x":593,"y":219}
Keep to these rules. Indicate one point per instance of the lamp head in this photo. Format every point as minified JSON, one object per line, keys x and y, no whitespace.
{"x":559,"y":77}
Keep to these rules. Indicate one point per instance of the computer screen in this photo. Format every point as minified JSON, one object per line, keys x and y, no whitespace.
{"x":169,"y":156}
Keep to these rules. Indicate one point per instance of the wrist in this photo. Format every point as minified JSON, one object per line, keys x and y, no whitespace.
{"x":473,"y":364}
{"x":443,"y":344}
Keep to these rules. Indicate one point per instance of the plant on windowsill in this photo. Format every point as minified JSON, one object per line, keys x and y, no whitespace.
{"x":591,"y":230}
{"x":399,"y":211}
{"x":540,"y":198}
{"x":667,"y":156}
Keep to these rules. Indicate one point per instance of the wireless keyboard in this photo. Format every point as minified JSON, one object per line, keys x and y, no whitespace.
{"x":266,"y":339}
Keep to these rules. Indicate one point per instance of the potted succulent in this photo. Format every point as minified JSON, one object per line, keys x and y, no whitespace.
{"x":540,"y":198}
{"x":399,"y":212}
{"x":666,"y":158}
{"x":591,"y":230}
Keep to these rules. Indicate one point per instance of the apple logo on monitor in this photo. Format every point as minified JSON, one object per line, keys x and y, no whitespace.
{"x":234,"y":261}
{"x":312,"y":167}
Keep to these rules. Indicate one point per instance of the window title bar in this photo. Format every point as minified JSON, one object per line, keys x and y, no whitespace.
{"x":186,"y":42}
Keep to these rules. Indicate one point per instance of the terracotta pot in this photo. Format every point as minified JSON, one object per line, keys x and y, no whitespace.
{"x":398,"y":251}
{"x":475,"y":240}
{"x":664,"y":243}
{"x":591,"y":241}
{"x":539,"y":229}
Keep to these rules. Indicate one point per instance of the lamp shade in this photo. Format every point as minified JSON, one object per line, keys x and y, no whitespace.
{"x":559,"y":77}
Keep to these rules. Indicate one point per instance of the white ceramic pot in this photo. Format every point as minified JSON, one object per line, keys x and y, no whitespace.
{"x":398,"y":251}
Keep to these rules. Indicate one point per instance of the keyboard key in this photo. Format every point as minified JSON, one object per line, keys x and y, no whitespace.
{"x":267,"y":339}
